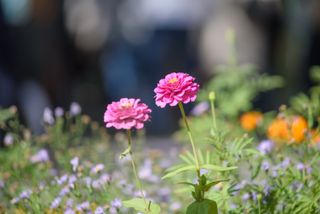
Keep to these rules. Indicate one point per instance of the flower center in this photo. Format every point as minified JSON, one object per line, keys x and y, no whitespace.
{"x":126,"y":105}
{"x":173,"y":80}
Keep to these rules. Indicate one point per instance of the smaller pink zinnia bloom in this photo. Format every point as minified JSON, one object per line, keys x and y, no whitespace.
{"x":126,"y":114}
{"x":175,"y":88}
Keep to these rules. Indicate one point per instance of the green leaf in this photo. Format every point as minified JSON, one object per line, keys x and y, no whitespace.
{"x":203,"y":207}
{"x":139,"y":205}
{"x":125,"y":152}
{"x":187,"y":183}
{"x":6,"y":114}
{"x":211,"y":184}
{"x":217,"y":168}
{"x":182,"y":169}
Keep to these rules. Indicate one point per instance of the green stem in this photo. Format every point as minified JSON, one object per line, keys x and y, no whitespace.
{"x":135,"y":170}
{"x":213,"y":114}
{"x":190,"y":138}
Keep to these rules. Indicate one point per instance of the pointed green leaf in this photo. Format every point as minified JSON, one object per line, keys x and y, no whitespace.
{"x":211,"y":184}
{"x":187,"y":183}
{"x":217,"y":168}
{"x":182,"y":169}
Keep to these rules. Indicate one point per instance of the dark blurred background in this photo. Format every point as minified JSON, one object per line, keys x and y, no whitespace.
{"x":54,"y":52}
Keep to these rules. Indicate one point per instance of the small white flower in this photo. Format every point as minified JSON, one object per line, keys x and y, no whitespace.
{"x":8,"y":139}
{"x":48,"y":116}
{"x":75,"y":109}
{"x":175,"y":206}
{"x":15,"y":200}
{"x":58,"y":112}
{"x":75,"y":163}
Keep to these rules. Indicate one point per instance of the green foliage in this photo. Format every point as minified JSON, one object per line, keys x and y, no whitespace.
{"x":139,"y":205}
{"x":203,"y":207}
{"x":236,"y":88}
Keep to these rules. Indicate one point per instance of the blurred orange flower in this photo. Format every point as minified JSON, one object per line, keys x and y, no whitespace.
{"x":284,"y":130}
{"x":299,"y":128}
{"x":315,"y":137}
{"x":250,"y":120}
{"x":278,"y":130}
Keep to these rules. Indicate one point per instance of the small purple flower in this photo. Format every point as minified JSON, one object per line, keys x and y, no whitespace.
{"x":1,"y":184}
{"x":58,"y":112}
{"x":265,"y":165}
{"x":64,"y":191}
{"x":105,"y":178}
{"x":117,"y":203}
{"x":25,"y":194}
{"x":55,"y":203}
{"x":88,"y":181}
{"x":48,"y":116}
{"x":15,"y":200}
{"x":267,"y":189}
{"x":265,"y":147}
{"x":245,"y":196}
{"x":69,"y":203}
{"x":75,"y":109}
{"x":285,"y":163}
{"x":96,"y":184}
{"x":97,"y":168}
{"x":69,"y":211}
{"x":83,"y":206}
{"x":72,"y":180}
{"x":62,"y":179}
{"x":203,"y":171}
{"x":308,"y":169}
{"x":41,"y":156}
{"x":164,"y":194}
{"x":300,"y":166}
{"x":8,"y":139}
{"x":99,"y":210}
{"x":200,"y":108}
{"x":274,"y":173}
{"x":75,"y":163}
{"x":175,"y":206}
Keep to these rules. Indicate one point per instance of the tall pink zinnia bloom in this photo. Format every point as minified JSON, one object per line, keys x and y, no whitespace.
{"x":126,"y":114}
{"x":175,"y":88}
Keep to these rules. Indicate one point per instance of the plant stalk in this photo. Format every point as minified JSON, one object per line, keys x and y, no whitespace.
{"x":190,"y":138}
{"x":135,"y":170}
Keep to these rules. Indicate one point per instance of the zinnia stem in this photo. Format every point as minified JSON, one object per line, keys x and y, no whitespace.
{"x":135,"y":170}
{"x":190,"y":138}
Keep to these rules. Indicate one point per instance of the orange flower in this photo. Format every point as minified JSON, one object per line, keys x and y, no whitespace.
{"x":298,"y":128}
{"x":250,"y":120}
{"x":278,"y":130}
{"x":284,"y":130}
{"x":315,"y":137}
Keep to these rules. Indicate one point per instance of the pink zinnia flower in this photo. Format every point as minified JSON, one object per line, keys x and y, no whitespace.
{"x":175,"y":88}
{"x":126,"y":114}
